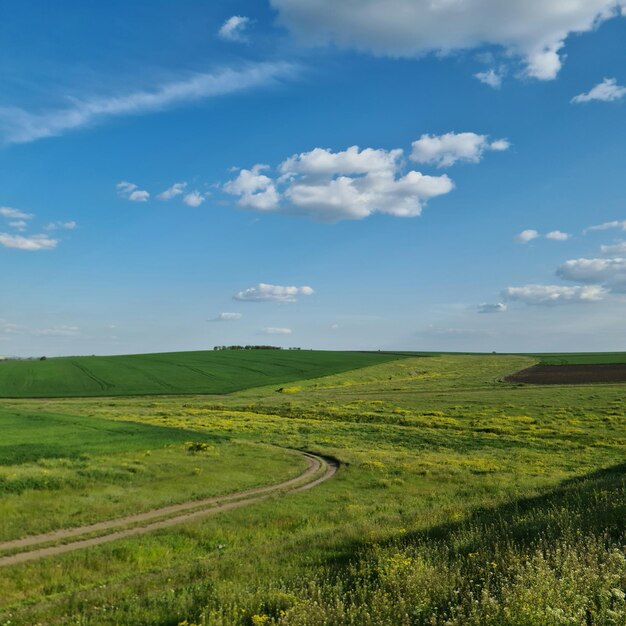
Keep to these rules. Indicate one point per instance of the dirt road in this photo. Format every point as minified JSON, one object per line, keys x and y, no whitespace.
{"x":318,"y":470}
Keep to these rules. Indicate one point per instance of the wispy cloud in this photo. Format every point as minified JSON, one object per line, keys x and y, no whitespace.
{"x":498,"y":307}
{"x":606,"y":91}
{"x":276,"y":331}
{"x":227,"y":317}
{"x":71,"y":225}
{"x":31,"y":243}
{"x":234,"y":28}
{"x":131,"y":192}
{"x":546,"y":295}
{"x":14,"y":214}
{"x":620,"y":224}
{"x":18,"y":125}
{"x":273,"y":293}
{"x":171,"y":192}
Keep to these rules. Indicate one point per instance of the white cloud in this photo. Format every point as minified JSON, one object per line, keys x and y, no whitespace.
{"x":131,"y":192}
{"x":10,"y":329}
{"x":321,"y":162}
{"x":554,"y":294}
{"x":527,"y":235}
{"x":255,"y":190}
{"x":490,"y":77}
{"x":498,"y":307}
{"x":21,"y":126}
{"x":71,"y":225}
{"x":330,"y":186}
{"x":171,"y":192}
{"x":606,"y":91}
{"x":227,"y":317}
{"x":277,"y":331}
{"x":273,"y":293}
{"x":446,"y":150}
{"x":621,"y":224}
{"x":19,"y":225}
{"x":58,"y":331}
{"x":139,"y":196}
{"x":611,"y":273}
{"x":535,"y":30}
{"x":557,"y":235}
{"x":14,"y":214}
{"x":30,"y":243}
{"x":618,"y":248}
{"x":194,"y":199}
{"x":234,"y":28}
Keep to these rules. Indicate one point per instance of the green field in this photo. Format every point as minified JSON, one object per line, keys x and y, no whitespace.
{"x":210,"y":372}
{"x":582,"y":358}
{"x":460,"y":501}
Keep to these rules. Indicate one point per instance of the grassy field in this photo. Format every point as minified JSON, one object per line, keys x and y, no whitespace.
{"x":222,"y":371}
{"x":582,"y":358}
{"x":460,"y":500}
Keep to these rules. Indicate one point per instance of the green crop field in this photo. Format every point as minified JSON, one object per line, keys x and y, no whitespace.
{"x":207,"y":372}
{"x":582,"y":358}
{"x":460,"y":500}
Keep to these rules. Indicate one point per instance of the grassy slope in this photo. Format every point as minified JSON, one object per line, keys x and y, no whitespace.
{"x":82,"y":469}
{"x":456,"y":505}
{"x":173,"y":373}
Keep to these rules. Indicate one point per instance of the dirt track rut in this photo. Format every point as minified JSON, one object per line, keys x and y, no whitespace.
{"x":164,"y":517}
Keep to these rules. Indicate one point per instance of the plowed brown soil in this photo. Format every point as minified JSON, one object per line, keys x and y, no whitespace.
{"x":570,"y":374}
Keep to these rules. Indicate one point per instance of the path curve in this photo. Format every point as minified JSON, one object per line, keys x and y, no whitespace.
{"x":165,"y":517}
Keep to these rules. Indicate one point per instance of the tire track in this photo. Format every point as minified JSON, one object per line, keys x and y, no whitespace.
{"x":164,"y":517}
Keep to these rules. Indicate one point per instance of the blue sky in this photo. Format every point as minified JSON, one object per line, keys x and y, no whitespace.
{"x":398,"y":174}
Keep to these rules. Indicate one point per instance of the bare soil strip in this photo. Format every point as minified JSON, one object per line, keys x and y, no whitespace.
{"x":570,"y":374}
{"x":166,"y":516}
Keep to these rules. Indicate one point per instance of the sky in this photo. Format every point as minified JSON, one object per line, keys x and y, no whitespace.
{"x":365,"y":174}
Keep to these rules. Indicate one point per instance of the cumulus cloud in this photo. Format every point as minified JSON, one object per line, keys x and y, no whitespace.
{"x":131,"y":192}
{"x":227,"y":317}
{"x":171,"y":192}
{"x":234,"y":28}
{"x":21,"y":126}
{"x":610,"y":273}
{"x":554,"y":294}
{"x":498,"y":307}
{"x":273,"y":293}
{"x":255,"y":190}
{"x":490,"y":77}
{"x":557,"y":235}
{"x":330,"y":186}
{"x":527,"y":235}
{"x":606,"y":91}
{"x":276,"y":331}
{"x":446,"y":150}
{"x":14,"y":214}
{"x":194,"y":199}
{"x":534,"y":30}
{"x":31,"y":243}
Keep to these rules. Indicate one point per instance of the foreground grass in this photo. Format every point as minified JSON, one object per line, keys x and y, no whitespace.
{"x":173,"y":372}
{"x":461,"y":500}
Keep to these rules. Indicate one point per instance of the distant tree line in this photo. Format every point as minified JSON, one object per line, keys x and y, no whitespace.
{"x":251,"y":348}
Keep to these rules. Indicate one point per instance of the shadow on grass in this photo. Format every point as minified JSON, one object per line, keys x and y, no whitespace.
{"x":29,"y":438}
{"x":591,"y":504}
